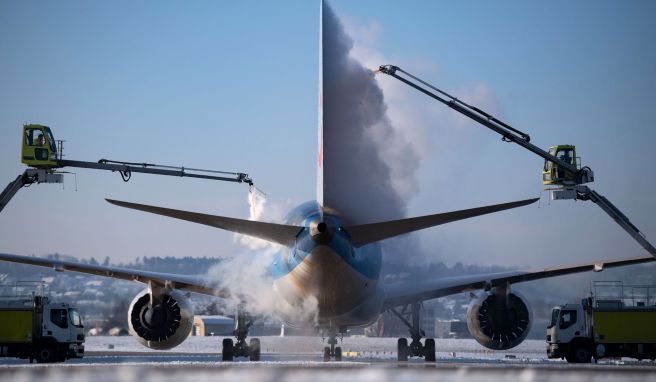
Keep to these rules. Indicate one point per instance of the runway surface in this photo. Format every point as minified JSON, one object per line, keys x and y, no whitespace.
{"x":299,"y":359}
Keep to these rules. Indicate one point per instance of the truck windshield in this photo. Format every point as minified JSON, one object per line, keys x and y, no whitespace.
{"x":554,"y":317}
{"x":51,"y":140}
{"x":75,"y":317}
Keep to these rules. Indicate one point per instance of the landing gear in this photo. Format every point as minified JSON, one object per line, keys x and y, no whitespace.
{"x":415,"y":349}
{"x":241,"y":348}
{"x":227,"y":353}
{"x":332,"y":351}
{"x":402,"y":350}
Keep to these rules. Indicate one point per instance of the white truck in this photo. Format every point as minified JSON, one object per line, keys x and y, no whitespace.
{"x":617,"y":324}
{"x":32,"y":327}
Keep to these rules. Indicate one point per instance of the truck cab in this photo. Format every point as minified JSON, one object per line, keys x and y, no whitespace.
{"x":617,"y":320}
{"x":35,"y":328}
{"x":63,"y":324}
{"x":568,"y":333}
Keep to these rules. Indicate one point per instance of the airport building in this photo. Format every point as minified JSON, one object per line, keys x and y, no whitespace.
{"x":451,"y":329}
{"x":213,"y":326}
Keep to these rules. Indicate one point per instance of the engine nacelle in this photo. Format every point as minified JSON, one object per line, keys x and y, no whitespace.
{"x":162,"y":326}
{"x":498,"y":321}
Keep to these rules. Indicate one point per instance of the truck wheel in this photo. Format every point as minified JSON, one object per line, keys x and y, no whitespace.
{"x":45,"y":355}
{"x":579,"y":354}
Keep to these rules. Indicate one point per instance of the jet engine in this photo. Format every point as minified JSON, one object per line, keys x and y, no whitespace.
{"x":161,"y":326}
{"x":499,"y":321}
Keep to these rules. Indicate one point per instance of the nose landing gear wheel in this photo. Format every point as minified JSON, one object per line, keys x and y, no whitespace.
{"x":332,"y":351}
{"x":326,"y":354}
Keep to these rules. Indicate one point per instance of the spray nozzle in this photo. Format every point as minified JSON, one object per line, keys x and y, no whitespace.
{"x":254,"y":190}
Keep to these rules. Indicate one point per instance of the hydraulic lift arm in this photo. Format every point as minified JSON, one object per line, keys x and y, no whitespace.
{"x":37,"y":175}
{"x":29,"y":177}
{"x":127,"y":168}
{"x":44,"y":158}
{"x":574,"y":183}
{"x":585,"y":193}
{"x":12,"y":188}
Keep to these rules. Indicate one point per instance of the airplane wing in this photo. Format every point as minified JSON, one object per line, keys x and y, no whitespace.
{"x":184,"y":282}
{"x":276,"y":233}
{"x":360,"y":234}
{"x":407,"y":292}
{"x":368,"y":233}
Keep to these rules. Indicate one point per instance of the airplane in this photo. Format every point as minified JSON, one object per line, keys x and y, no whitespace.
{"x":327,"y":259}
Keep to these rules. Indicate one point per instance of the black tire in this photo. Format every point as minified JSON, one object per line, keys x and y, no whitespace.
{"x":402,"y":349}
{"x":326,"y":354}
{"x":429,"y":350}
{"x":45,"y":354}
{"x":227,"y":353}
{"x":338,"y":354}
{"x":579,"y":353}
{"x":254,"y":349}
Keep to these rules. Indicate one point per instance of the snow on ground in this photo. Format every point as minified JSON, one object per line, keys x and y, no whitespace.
{"x":367,"y":347}
{"x":299,"y":359}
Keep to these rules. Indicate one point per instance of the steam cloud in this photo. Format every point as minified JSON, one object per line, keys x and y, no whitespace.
{"x":369,"y":174}
{"x":247,"y":275}
{"x":368,"y":163}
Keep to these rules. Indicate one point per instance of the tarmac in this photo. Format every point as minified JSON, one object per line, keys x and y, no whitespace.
{"x":121,"y":359}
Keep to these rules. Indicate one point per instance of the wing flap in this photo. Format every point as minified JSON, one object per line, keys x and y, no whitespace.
{"x":369,"y":233}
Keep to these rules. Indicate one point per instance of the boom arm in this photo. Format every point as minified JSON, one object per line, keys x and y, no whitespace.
{"x":510,"y":134}
{"x":507,"y":132}
{"x":12,"y":188}
{"x":585,"y":193}
{"x":127,"y":168}
{"x":39,"y":175}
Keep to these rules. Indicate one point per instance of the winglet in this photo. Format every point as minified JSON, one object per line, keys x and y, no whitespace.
{"x":275,"y":233}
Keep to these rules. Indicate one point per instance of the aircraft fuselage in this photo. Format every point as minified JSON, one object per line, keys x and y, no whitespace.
{"x":325,"y":268}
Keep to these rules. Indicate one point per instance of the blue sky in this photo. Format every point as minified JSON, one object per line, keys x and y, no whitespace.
{"x":233,"y":86}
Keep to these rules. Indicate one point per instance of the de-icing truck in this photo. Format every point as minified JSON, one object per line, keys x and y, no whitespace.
{"x":32,"y":327}
{"x":615,"y":321}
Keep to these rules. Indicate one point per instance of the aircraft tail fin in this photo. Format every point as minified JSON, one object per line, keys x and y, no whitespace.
{"x":320,"y":113}
{"x":275,"y":233}
{"x":369,"y":233}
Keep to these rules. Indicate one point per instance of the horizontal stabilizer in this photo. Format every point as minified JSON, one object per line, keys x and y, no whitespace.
{"x":275,"y":233}
{"x":369,"y":233}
